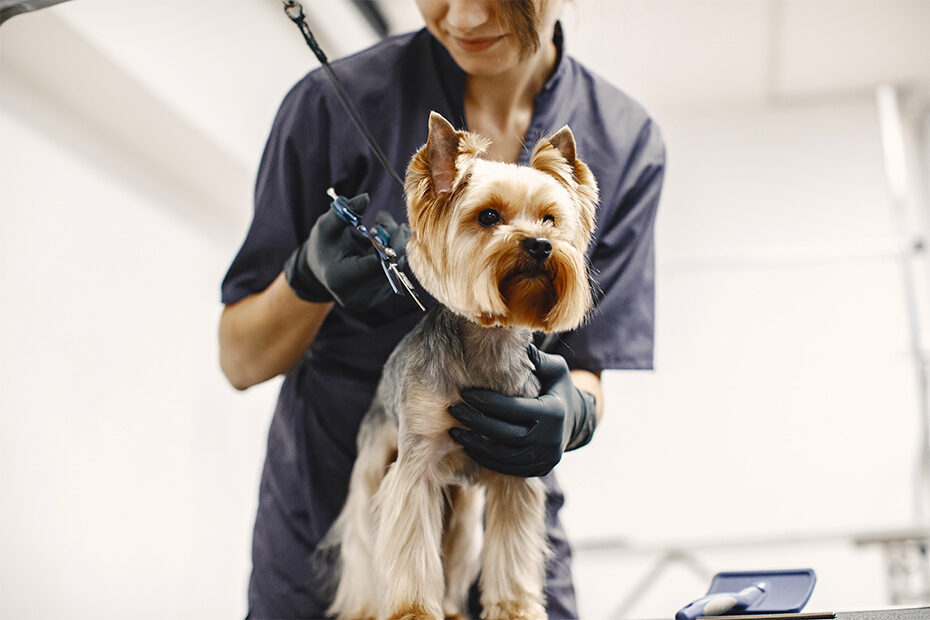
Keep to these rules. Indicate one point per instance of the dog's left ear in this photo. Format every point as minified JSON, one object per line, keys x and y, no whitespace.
{"x":557,"y":156}
{"x":564,"y":142}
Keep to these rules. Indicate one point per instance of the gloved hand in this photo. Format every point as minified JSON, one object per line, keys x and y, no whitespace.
{"x":526,"y":436}
{"x":333,"y":264}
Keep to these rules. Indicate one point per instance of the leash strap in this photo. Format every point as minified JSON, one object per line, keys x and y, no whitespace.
{"x":295,"y":12}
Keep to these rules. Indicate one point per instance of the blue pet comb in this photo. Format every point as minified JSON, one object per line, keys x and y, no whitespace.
{"x":753,"y":592}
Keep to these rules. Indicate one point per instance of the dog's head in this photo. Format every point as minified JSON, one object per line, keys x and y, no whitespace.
{"x":498,"y":243}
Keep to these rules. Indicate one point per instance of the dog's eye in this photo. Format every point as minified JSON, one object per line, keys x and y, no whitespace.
{"x":489,"y":217}
{"x":549,"y":218}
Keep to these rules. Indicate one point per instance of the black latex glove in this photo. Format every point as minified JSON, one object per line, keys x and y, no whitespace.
{"x":526,"y":436}
{"x":335,"y":264}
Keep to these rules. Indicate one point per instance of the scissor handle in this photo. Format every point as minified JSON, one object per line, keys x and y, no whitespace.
{"x":380,"y":239}
{"x":381,"y":235}
{"x":340,"y":206}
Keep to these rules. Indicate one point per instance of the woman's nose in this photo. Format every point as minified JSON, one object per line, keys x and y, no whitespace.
{"x":464,"y":16}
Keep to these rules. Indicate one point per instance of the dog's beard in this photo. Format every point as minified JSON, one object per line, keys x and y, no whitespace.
{"x":529,"y":296}
{"x":547,"y":296}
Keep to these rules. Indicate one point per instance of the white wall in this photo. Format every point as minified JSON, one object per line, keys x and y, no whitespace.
{"x":130,"y":468}
{"x":783,"y":402}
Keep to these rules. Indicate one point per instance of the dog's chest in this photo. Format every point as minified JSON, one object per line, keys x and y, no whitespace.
{"x":446,"y":354}
{"x":496,"y":359}
{"x":480,"y":357}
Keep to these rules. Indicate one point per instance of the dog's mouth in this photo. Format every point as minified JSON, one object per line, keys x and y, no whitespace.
{"x":529,"y":293}
{"x":529,"y":272}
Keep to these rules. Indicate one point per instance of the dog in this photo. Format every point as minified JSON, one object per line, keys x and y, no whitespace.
{"x":502,"y":248}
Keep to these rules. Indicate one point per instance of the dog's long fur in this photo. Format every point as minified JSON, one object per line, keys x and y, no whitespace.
{"x":410,"y":536}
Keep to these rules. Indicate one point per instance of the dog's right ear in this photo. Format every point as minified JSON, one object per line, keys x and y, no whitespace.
{"x":442,"y":149}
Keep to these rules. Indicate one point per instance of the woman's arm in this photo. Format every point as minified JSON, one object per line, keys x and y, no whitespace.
{"x":590,"y":382}
{"x":265,"y":334}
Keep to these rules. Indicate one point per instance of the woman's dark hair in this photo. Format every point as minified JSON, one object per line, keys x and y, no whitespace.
{"x":522,"y":20}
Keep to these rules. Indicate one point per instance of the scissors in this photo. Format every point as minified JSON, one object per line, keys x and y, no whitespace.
{"x":380,"y":239}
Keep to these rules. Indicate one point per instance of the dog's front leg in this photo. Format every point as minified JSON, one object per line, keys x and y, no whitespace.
{"x":461,"y":547}
{"x":407,"y":545}
{"x":356,"y":594}
{"x":515,"y":548}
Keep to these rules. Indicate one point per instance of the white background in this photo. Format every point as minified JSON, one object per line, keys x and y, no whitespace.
{"x":784,"y":404}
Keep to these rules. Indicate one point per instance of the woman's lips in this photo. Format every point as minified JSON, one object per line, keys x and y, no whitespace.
{"x":477,"y":45}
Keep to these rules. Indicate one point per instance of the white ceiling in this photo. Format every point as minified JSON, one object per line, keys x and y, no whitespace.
{"x":224,"y":66}
{"x":695,"y":53}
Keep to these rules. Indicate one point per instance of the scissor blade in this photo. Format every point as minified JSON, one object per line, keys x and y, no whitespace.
{"x":388,"y":272}
{"x":406,"y":282}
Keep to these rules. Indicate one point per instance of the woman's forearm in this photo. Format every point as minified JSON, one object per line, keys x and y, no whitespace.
{"x":591,"y":383}
{"x":267,"y":333}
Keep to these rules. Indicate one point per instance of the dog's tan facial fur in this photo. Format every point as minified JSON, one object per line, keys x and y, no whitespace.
{"x":449,"y":185}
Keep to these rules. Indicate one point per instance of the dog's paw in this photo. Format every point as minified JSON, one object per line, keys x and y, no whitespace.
{"x":413,"y":612}
{"x":514,"y":610}
{"x":365,"y":613}
{"x":454,"y":612}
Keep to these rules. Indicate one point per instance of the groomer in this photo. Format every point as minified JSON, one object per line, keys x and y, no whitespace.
{"x":306,"y":299}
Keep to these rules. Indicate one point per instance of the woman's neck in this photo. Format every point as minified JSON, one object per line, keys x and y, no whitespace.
{"x":500,"y":106}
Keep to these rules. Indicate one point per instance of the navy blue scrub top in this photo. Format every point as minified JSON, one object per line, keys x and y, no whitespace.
{"x":313,"y":145}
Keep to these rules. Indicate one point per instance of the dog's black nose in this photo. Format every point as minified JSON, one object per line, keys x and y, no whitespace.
{"x":538,"y":247}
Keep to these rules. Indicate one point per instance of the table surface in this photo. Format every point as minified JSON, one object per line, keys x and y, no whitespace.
{"x":914,"y":613}
{"x":921,"y":613}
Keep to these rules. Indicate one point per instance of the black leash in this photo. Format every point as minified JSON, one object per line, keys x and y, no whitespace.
{"x":295,"y":11}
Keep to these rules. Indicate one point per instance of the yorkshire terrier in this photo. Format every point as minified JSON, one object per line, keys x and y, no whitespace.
{"x":501,"y":247}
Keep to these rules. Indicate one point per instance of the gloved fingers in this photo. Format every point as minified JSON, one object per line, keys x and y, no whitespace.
{"x":384,"y":218}
{"x":523,"y":462}
{"x":330,"y":226}
{"x":358,"y":204}
{"x":510,"y":408}
{"x":399,"y":239}
{"x":486,"y":448}
{"x":530,"y":470}
{"x":351,"y":243}
{"x":533,"y":352}
{"x":399,"y":233}
{"x":399,"y":244}
{"x":354,"y":270}
{"x":405,"y":231}
{"x":498,"y":430}
{"x":549,"y":368}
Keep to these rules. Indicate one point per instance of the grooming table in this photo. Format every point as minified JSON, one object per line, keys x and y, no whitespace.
{"x":917,"y":613}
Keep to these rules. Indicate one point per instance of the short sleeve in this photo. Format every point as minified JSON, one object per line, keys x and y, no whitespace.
{"x":294,"y":167}
{"x":620,"y":330}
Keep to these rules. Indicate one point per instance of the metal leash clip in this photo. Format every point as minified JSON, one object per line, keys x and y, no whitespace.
{"x":380,"y":239}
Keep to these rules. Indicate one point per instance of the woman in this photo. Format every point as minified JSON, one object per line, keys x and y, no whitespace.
{"x":327,"y":319}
